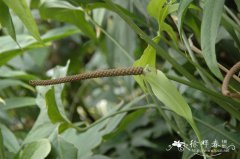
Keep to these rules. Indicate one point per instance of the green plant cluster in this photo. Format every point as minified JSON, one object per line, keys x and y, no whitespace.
{"x":185,"y":47}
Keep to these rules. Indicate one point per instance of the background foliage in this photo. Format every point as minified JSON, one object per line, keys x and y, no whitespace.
{"x":189,"y":41}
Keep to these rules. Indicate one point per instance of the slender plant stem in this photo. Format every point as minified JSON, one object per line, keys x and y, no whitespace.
{"x":218,"y":98}
{"x":232,"y":15}
{"x":216,"y":130}
{"x":204,"y":89}
{"x":124,"y":51}
{"x":148,"y":40}
{"x":231,"y":22}
{"x":195,"y":60}
{"x":209,"y":126}
{"x":116,"y":113}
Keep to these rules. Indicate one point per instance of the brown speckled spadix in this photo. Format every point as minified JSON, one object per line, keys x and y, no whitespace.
{"x":95,"y":74}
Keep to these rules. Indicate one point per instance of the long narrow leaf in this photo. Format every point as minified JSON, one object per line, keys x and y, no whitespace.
{"x":11,"y":82}
{"x":212,"y":12}
{"x":65,"y":12}
{"x":9,"y":49}
{"x":10,"y":141}
{"x":6,"y":20}
{"x":18,"y":102}
{"x":167,"y":93}
{"x":181,"y":12}
{"x":147,"y":39}
{"x":21,"y":9}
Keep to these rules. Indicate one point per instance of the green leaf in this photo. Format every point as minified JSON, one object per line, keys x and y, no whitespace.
{"x":37,"y":149}
{"x":124,"y":38}
{"x":181,"y":13}
{"x":167,"y":93}
{"x":169,"y":30}
{"x":154,"y":8}
{"x":6,"y":72}
{"x":21,"y":9}
{"x":6,"y":20}
{"x":65,"y":12}
{"x":42,"y":129}
{"x":148,"y":58}
{"x":96,"y":131}
{"x":147,"y":39}
{"x":192,"y":23}
{"x":128,"y":119}
{"x":163,"y":13}
{"x":9,"y":49}
{"x":53,"y":112}
{"x":212,"y":12}
{"x":10,"y":141}
{"x":2,"y":152}
{"x":173,"y":8}
{"x":212,"y":129}
{"x":231,"y":31}
{"x":18,"y":102}
{"x":67,"y":150}
{"x":61,"y":148}
{"x":98,"y":5}
{"x":159,"y":10}
{"x":34,"y":4}
{"x":11,"y":82}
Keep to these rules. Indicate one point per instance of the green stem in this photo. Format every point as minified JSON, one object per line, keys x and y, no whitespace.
{"x":216,"y":130}
{"x":232,"y":15}
{"x":204,"y":89}
{"x":206,"y":74}
{"x":111,"y":38}
{"x":116,"y":113}
{"x":148,"y":40}
{"x":231,"y":22}
{"x":218,"y":98}
{"x":205,"y":79}
{"x":209,"y":126}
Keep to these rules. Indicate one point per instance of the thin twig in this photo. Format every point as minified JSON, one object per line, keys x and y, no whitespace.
{"x":229,"y":73}
{"x":197,"y":50}
{"x":88,"y":75}
{"x":226,"y":80}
